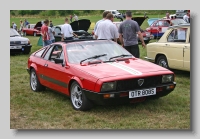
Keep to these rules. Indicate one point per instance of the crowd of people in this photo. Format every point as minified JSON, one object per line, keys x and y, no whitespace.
{"x":104,"y":29}
{"x":127,"y":32}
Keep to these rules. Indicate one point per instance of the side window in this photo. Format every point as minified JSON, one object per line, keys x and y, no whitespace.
{"x":160,"y":23}
{"x":57,"y":31}
{"x":177,"y":35}
{"x":39,"y":54}
{"x":56,"y":53}
{"x":166,"y":24}
{"x":28,"y":26}
{"x":46,"y":57}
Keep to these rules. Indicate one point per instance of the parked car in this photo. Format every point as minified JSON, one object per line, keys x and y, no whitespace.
{"x":158,"y":27}
{"x":19,"y":44}
{"x":146,"y":35}
{"x":97,"y":71}
{"x":114,"y":12}
{"x":79,"y":27}
{"x":173,"y":48}
{"x":181,"y":13}
{"x":33,"y":29}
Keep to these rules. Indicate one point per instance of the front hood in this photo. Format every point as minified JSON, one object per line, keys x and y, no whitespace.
{"x":18,"y":38}
{"x":38,"y":24}
{"x":133,"y":68}
{"x":139,"y":20}
{"x":82,"y":24}
{"x":151,"y":20}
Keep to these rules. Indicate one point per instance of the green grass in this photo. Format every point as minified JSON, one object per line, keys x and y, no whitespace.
{"x":51,"y":110}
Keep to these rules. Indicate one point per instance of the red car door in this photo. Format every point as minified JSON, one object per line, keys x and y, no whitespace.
{"x":55,"y":74}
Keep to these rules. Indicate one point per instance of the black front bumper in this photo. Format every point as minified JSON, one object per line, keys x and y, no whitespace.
{"x":98,"y":98}
{"x":25,"y":49}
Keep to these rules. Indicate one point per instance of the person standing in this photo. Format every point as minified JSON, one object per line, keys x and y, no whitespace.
{"x":104,"y":18}
{"x":106,"y":30}
{"x":75,"y":17}
{"x":130,"y":29}
{"x":66,"y":31}
{"x":167,"y":15}
{"x":45,"y":34}
{"x":51,"y":24}
{"x":70,"y":17}
{"x":21,"y":25}
{"x":51,"y":34}
{"x":26,"y":23}
{"x":14,"y":26}
{"x":186,"y":17}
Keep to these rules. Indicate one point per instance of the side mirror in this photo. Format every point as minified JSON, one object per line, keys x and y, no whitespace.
{"x":58,"y":61}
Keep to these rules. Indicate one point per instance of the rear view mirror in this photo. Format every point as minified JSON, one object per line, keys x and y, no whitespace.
{"x":58,"y":60}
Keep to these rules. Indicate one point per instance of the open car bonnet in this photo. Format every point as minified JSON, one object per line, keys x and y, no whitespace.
{"x":38,"y":24}
{"x":139,"y":20}
{"x":82,"y":24}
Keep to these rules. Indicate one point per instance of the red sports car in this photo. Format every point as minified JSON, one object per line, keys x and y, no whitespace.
{"x":158,"y":27}
{"x":97,"y":71}
{"x":33,"y":29}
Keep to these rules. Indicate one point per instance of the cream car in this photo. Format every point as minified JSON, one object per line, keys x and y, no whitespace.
{"x":173,"y":48}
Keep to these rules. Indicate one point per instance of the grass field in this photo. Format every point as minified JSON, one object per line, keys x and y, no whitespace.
{"x":51,"y":110}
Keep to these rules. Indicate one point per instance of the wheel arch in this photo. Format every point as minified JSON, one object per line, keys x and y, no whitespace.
{"x":157,"y":56}
{"x":74,"y":79}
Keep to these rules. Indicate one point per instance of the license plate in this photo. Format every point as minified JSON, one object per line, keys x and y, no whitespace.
{"x":15,"y":47}
{"x":141,"y":93}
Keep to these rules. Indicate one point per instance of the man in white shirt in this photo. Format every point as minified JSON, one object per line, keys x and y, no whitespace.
{"x":104,"y":18}
{"x":14,"y":26}
{"x":66,"y":31}
{"x":106,"y":30}
{"x":186,"y":17}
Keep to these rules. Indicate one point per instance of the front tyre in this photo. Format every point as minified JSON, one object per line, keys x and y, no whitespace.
{"x":34,"y":82}
{"x":162,"y":61}
{"x":78,"y":99}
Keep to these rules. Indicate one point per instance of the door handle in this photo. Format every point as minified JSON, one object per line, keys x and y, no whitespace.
{"x":185,"y":46}
{"x":46,"y":65}
{"x":167,"y":45}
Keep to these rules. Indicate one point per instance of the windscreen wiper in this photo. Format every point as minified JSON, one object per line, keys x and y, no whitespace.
{"x":123,"y":55}
{"x":93,"y":57}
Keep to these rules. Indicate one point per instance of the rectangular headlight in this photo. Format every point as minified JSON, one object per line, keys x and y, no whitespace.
{"x":108,"y":86}
{"x":167,"y":78}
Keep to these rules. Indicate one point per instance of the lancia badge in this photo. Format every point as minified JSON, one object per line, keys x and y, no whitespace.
{"x":140,"y":82}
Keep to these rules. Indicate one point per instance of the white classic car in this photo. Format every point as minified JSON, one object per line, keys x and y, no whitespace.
{"x":173,"y":48}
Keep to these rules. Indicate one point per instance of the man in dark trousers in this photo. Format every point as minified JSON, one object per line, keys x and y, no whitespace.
{"x":130,"y":29}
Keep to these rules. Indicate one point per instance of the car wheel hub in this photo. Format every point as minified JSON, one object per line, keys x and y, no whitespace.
{"x":76,"y":96}
{"x":163,"y":63}
{"x":33,"y":81}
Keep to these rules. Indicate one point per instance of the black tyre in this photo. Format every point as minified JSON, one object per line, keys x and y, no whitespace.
{"x":34,"y":82}
{"x":162,"y":61}
{"x":78,"y":99}
{"x":27,"y":50}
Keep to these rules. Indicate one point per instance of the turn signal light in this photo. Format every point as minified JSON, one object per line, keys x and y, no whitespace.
{"x":170,"y":87}
{"x":108,"y":95}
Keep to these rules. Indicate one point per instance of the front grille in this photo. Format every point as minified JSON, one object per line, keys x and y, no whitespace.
{"x":15,"y":42}
{"x":132,"y":84}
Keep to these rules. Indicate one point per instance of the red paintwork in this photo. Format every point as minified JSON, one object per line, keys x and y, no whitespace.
{"x":30,"y":31}
{"x":90,"y":77}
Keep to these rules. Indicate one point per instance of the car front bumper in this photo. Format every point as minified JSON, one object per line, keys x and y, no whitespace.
{"x":20,"y":48}
{"x":122,"y":97}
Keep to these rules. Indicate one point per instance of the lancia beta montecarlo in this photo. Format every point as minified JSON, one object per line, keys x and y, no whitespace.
{"x":97,"y":71}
